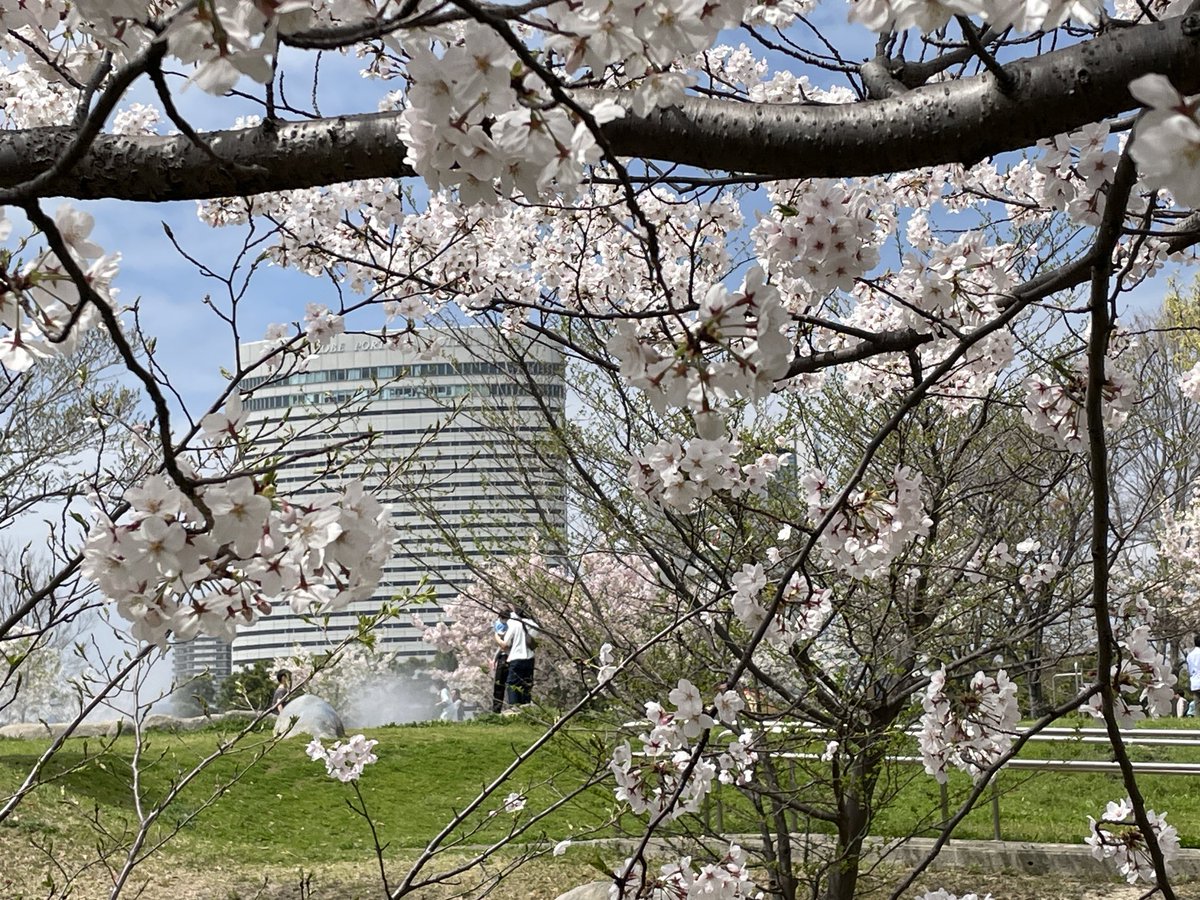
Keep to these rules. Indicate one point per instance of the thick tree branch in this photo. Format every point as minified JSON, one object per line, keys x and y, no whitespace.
{"x":961,"y":121}
{"x":272,"y":157}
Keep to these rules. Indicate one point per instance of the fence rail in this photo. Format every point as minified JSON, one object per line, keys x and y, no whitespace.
{"x":1146,"y":737}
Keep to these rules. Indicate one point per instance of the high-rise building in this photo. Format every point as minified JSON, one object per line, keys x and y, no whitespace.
{"x":445,"y":441}
{"x":202,"y":655}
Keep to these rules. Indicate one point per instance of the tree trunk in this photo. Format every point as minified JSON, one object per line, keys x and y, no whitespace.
{"x":854,"y":818}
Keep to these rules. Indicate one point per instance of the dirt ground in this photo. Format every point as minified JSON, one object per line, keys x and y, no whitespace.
{"x":25,"y":876}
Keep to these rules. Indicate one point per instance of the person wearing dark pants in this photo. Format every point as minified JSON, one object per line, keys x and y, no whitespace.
{"x":500,"y":662}
{"x":519,"y":639}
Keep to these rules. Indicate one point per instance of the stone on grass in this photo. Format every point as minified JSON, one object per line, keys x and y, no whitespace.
{"x":309,"y":715}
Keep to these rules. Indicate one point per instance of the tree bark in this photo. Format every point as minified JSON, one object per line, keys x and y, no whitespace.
{"x":854,"y":819}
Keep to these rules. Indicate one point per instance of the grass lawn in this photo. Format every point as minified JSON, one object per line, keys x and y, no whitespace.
{"x":283,"y":806}
{"x":280,"y":809}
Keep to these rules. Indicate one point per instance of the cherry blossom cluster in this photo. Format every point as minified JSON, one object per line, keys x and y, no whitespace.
{"x":801,"y":615}
{"x":969,"y":727}
{"x":1189,"y":383}
{"x":747,"y":327}
{"x":42,"y":313}
{"x":1142,"y":678}
{"x":756,"y":78}
{"x":479,"y":120}
{"x":621,"y":587}
{"x":1116,"y":837}
{"x":679,"y":475}
{"x":523,"y":254}
{"x":1166,"y":143}
{"x":1035,"y":572}
{"x":664,"y":766}
{"x":173,"y":571}
{"x":930,"y":15}
{"x":867,"y":531}
{"x":727,"y":879}
{"x":821,"y":233}
{"x":345,"y":762}
{"x":222,"y":39}
{"x":1056,"y":408}
{"x":483,"y":121}
{"x":1177,"y":540}
{"x":319,"y":228}
{"x":943,"y":894}
{"x":1077,"y":169}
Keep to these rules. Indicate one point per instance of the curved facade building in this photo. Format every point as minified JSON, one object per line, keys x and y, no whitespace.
{"x":444,"y":442}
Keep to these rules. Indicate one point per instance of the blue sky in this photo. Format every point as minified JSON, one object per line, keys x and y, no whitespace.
{"x":192,"y":343}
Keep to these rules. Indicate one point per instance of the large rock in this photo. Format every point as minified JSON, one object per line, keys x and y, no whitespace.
{"x":27,"y":731}
{"x":309,"y":715}
{"x":33,"y":731}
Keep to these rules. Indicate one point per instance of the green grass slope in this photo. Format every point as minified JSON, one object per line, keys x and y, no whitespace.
{"x":274,"y":805}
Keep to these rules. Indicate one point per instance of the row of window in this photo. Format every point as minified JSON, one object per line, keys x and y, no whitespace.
{"x":417,"y":370}
{"x":247,"y":653}
{"x":403,"y":392}
{"x":480,"y":432}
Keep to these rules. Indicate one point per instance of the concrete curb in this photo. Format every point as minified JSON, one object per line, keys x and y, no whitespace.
{"x":1019,"y":856}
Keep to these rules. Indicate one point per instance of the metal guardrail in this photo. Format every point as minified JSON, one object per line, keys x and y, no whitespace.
{"x":1165,"y":737}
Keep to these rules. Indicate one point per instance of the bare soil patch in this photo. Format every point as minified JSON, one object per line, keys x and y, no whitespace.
{"x":26,"y":873}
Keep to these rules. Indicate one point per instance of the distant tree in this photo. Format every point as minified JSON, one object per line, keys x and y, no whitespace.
{"x":37,"y":685}
{"x":250,"y":688}
{"x":343,"y":677}
{"x":578,"y":604}
{"x":196,"y":697}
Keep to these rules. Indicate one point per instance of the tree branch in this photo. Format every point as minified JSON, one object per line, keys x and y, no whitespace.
{"x":962,"y":121}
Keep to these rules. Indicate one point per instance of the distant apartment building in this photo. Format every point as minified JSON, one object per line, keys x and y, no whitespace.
{"x":442,"y":441}
{"x":200,"y":656}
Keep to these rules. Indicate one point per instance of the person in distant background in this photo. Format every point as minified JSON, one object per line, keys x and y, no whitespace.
{"x":1193,"y":666}
{"x":282,"y":689}
{"x":519,"y":640}
{"x":500,"y":663}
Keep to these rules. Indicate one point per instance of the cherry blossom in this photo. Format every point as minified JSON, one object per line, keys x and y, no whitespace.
{"x":168,"y":572}
{"x":867,"y":531}
{"x":970,"y":727}
{"x":220,"y":427}
{"x":344,"y":761}
{"x":726,"y":879}
{"x":668,"y":764}
{"x":42,"y":313}
{"x":1166,"y":145}
{"x":1116,"y":837}
{"x":1142,"y":678}
{"x":728,"y":705}
{"x":1055,"y":408}
{"x":515,"y":802}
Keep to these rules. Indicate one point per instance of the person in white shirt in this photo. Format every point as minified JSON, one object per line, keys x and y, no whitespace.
{"x":1193,"y":667}
{"x":519,"y":641}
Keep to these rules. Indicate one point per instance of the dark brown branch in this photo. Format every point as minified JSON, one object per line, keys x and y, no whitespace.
{"x":961,"y":121}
